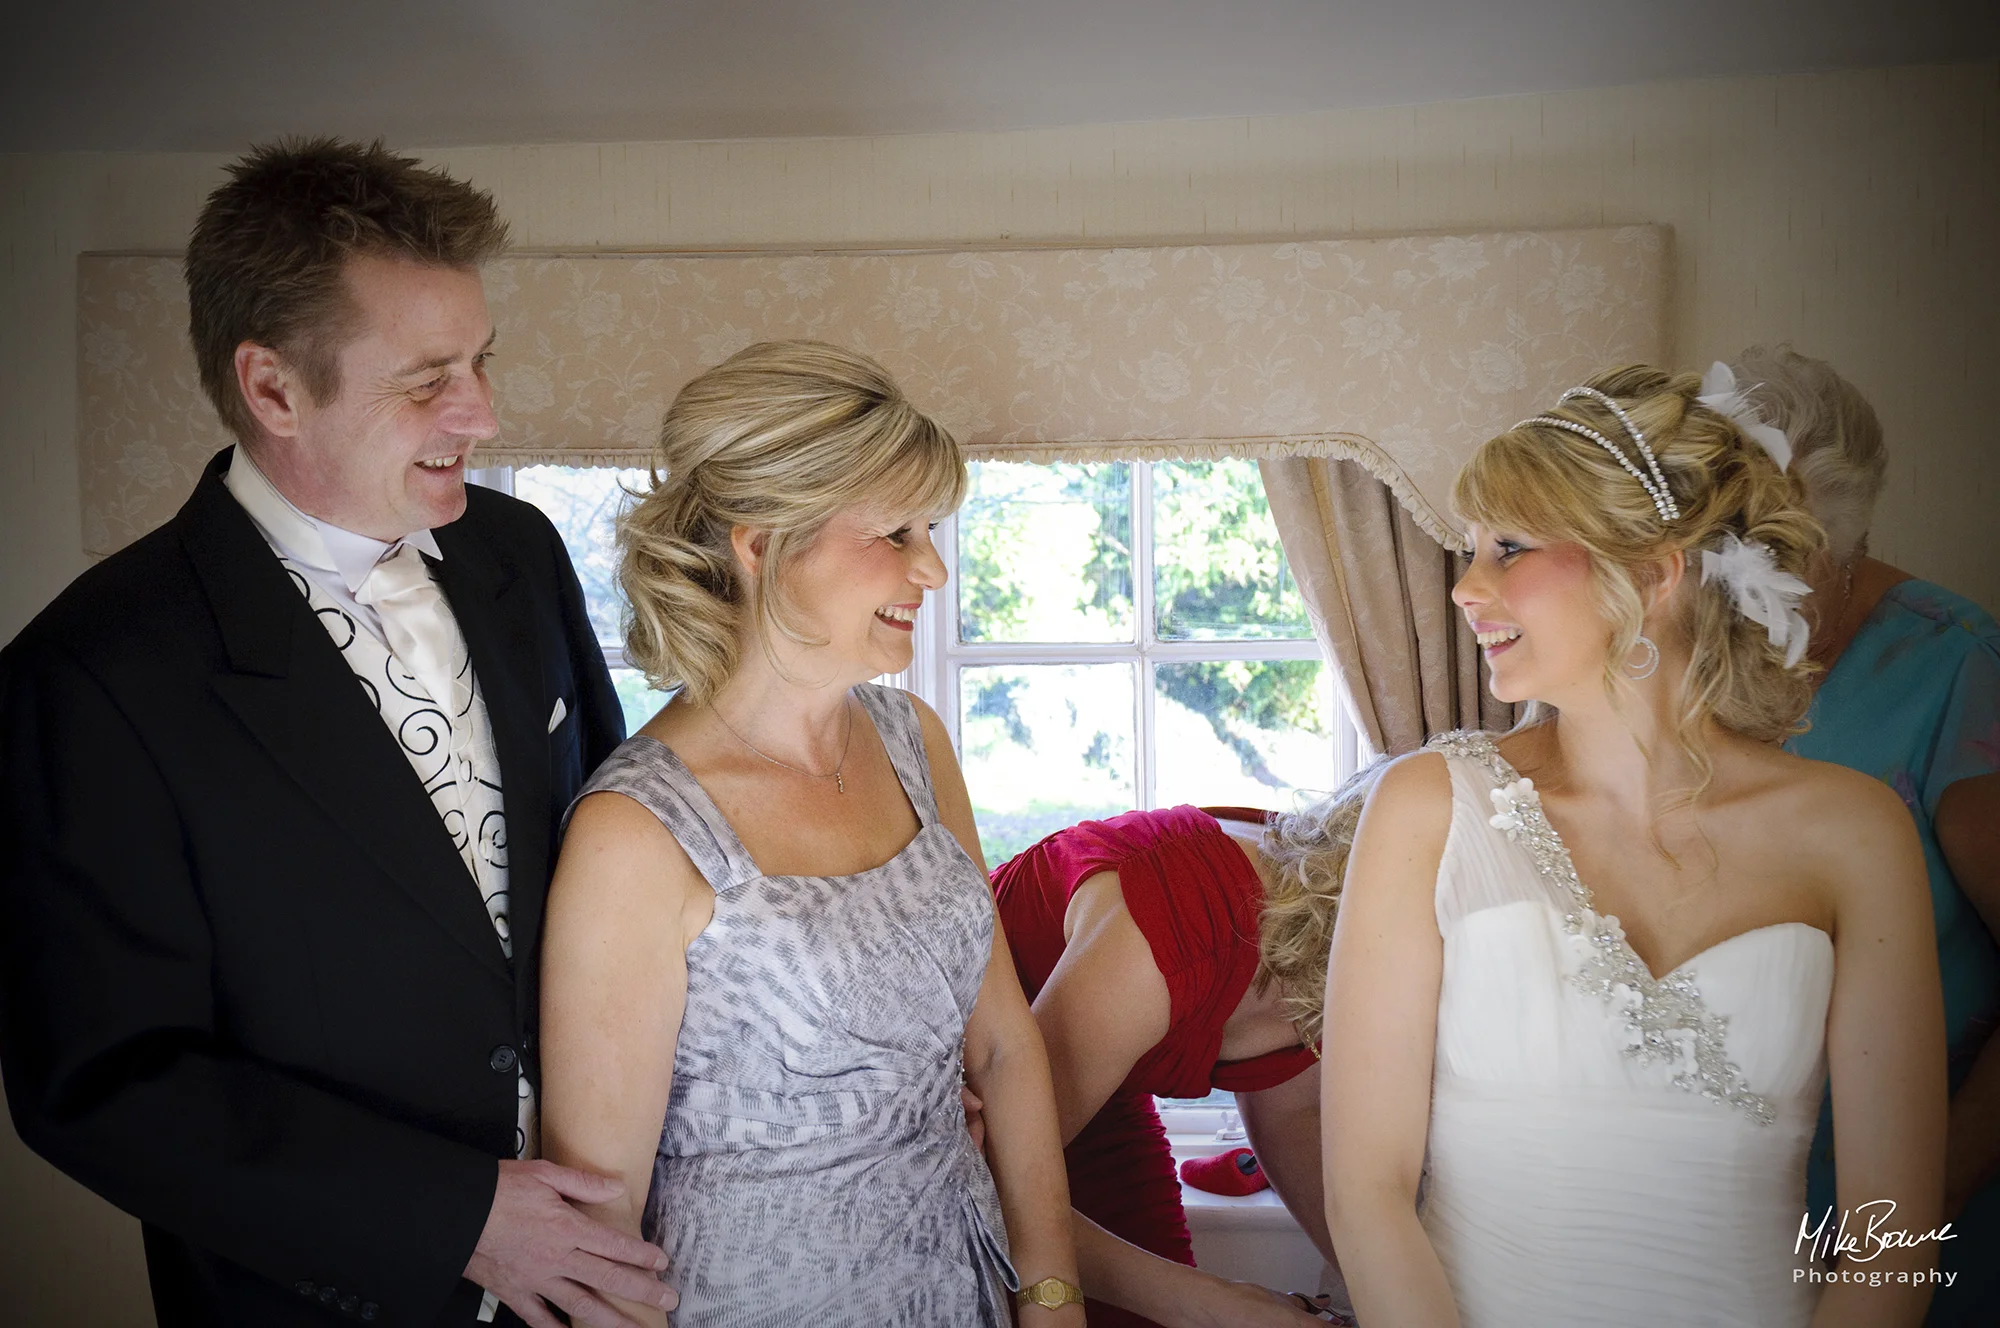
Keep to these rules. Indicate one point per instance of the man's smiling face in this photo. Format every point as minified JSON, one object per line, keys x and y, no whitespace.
{"x":385,"y":456}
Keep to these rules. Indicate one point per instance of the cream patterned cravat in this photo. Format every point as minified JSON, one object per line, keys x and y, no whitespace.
{"x":419,"y":626}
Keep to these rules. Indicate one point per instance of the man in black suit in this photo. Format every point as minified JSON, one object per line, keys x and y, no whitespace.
{"x":279,"y":793}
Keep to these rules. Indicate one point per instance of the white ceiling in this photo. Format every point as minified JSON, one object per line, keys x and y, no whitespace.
{"x":212,"y":75}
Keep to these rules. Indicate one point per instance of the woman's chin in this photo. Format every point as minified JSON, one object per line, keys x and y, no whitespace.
{"x":892,"y":662}
{"x":1506,"y":685}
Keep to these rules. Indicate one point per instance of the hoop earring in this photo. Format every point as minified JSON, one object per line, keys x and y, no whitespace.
{"x":1652,"y":663}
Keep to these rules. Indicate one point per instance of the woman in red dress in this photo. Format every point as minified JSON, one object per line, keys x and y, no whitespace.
{"x":1169,"y":953}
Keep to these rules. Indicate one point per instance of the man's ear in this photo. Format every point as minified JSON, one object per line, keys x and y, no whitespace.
{"x":749,"y":545}
{"x":270,"y":389}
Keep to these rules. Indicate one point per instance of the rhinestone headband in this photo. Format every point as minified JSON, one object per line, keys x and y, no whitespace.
{"x":1654,"y":483}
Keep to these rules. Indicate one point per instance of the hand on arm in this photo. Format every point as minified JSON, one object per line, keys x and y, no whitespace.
{"x":624,"y":904}
{"x":538,"y":1247}
{"x":1382,"y":985}
{"x":1968,"y":831}
{"x":1885,"y":1047}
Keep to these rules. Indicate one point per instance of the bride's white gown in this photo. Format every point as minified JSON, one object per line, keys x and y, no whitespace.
{"x":1605,"y":1148}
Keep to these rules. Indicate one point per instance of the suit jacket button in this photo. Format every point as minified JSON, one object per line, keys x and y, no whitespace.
{"x":502,"y":1059}
{"x":327,"y":1295}
{"x":369,"y":1309}
{"x":305,"y":1288}
{"x":349,"y":1303}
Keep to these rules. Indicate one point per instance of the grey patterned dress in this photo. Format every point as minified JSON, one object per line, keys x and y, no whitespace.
{"x":814,"y":1167}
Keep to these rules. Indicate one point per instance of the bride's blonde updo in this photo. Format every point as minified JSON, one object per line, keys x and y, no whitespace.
{"x":1546,"y":483}
{"x":780,"y":438}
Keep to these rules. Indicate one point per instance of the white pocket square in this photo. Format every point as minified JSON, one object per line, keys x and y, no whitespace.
{"x":557,"y":715}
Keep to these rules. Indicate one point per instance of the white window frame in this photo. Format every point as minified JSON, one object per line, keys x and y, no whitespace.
{"x":939,"y":656}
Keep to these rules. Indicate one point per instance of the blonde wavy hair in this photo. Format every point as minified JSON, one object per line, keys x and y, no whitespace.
{"x":1549,"y":484}
{"x":1306,"y":852}
{"x":780,"y":438}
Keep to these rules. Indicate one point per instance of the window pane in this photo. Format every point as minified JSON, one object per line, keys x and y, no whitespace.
{"x":639,"y":702}
{"x":1242,"y":732}
{"x":584,"y":504}
{"x":1219,"y":572}
{"x":1044,"y":553}
{"x":1045,"y":746}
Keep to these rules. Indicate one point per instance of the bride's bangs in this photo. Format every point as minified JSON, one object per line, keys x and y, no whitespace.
{"x":1514,"y":483}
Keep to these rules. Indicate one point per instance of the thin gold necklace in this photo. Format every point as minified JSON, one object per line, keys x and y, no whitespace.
{"x":839,"y":783}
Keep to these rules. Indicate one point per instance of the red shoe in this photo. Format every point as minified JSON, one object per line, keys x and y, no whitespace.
{"x":1233,"y":1172}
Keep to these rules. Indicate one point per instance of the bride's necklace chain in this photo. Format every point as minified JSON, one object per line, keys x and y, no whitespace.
{"x":839,"y":783}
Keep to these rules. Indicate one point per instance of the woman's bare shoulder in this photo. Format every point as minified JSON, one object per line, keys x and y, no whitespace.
{"x":1848,"y":829}
{"x":1834,"y":797}
{"x":616,"y":848}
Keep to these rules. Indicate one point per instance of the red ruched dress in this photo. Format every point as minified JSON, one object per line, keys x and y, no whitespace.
{"x":1195,"y":897}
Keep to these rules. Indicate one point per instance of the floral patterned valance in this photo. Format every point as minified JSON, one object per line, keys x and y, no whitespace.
{"x":1401,"y":353}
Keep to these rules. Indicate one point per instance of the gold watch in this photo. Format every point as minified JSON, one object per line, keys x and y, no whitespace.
{"x":1051,"y":1293}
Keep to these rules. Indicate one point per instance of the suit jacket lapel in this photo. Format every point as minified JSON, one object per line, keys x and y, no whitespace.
{"x":491,"y":602}
{"x":289,"y":686}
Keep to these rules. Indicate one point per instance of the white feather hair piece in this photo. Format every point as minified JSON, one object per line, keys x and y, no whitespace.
{"x":1720,"y":394}
{"x":1763,"y":592}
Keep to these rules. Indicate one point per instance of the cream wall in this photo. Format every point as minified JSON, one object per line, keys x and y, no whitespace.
{"x":1852,"y":213}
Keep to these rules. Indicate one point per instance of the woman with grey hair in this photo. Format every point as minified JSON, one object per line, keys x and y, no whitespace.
{"x":1911,"y":695}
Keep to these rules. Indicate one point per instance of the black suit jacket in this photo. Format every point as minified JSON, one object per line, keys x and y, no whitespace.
{"x":250,"y":993}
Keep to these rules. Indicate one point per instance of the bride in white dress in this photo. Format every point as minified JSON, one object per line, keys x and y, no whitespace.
{"x":1598,"y":1145}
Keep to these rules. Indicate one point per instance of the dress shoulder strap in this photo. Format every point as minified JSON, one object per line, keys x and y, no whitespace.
{"x":1484,"y":864}
{"x":895,"y":716}
{"x":647,"y":771}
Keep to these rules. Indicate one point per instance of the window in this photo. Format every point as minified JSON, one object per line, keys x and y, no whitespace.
{"x":1124,"y":635}
{"x":1114,"y":636}
{"x":584,"y":505}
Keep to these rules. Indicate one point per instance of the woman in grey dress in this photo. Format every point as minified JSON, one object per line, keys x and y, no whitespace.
{"x":770,"y":925}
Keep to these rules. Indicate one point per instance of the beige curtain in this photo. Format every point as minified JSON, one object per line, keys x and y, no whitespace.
{"x":1402,"y":352}
{"x":1378,"y":590}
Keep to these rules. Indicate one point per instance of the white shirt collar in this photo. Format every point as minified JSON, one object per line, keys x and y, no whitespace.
{"x":306,"y":539}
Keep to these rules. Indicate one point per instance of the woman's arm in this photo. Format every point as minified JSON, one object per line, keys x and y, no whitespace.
{"x":1382,"y":983}
{"x":1284,"y":1128}
{"x":1968,"y":831}
{"x":622,"y":908}
{"x":1007,"y":1068}
{"x":1885,"y":1050}
{"x":1104,"y":1006}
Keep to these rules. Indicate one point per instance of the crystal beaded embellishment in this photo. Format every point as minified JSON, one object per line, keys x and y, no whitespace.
{"x":1665,"y":1019}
